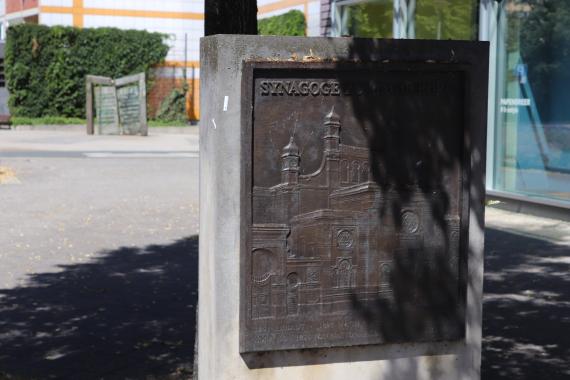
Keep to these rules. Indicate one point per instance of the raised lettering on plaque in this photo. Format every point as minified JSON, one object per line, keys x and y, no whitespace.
{"x":356,"y":205}
{"x":129,"y":100}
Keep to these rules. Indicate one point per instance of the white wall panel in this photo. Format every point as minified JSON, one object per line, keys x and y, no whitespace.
{"x":194,"y":29}
{"x":261,"y":3}
{"x":51,"y":19}
{"x":163,"y":25}
{"x":314,"y":18}
{"x":56,"y":3}
{"x":178,"y":72}
{"x":196,"y":6}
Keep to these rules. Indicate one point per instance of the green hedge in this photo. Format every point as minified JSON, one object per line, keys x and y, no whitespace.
{"x":46,"y":66}
{"x":291,"y":23}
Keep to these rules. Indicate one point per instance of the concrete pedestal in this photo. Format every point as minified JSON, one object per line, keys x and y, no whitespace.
{"x":221,"y":230}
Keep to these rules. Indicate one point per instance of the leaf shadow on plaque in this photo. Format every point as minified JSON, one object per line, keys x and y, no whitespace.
{"x":128,"y":313}
{"x":416,"y":183}
{"x":419,"y":148}
{"x":418,"y":159}
{"x":414,"y":144}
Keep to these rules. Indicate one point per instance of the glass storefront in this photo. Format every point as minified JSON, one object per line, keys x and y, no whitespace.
{"x":532,"y":129}
{"x":366,"y":18}
{"x":445,"y":19}
{"x":425,"y":19}
{"x":529,"y":97}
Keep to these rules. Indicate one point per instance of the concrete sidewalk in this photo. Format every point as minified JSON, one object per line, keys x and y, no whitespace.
{"x":551,"y":230}
{"x":526,"y":304}
{"x":82,"y":128}
{"x":98,"y":266}
{"x":75,"y":141}
{"x":98,"y":259}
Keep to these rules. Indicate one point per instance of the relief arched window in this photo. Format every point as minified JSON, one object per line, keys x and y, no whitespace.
{"x":364,"y":172}
{"x":355,"y":172}
{"x":344,"y":172}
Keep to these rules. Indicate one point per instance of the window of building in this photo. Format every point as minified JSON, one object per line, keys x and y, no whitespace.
{"x":444,"y":20}
{"x":425,"y":19}
{"x":532,"y":117}
{"x":528,"y":149}
{"x":364,"y":18}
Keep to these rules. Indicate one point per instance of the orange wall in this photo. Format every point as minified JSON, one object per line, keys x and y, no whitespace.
{"x":20,"y":5}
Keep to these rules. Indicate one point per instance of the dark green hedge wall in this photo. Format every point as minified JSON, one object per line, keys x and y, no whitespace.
{"x":291,"y":23}
{"x":46,"y":66}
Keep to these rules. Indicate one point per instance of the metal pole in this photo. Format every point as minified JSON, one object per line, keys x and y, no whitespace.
{"x":185,"y":57}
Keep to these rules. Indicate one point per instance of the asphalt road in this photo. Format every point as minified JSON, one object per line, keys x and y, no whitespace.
{"x":98,"y":255}
{"x":98,"y":265}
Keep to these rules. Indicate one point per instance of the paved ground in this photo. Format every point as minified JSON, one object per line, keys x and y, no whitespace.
{"x":77,"y":143}
{"x":98,"y":255}
{"x":526,"y":310}
{"x":98,"y":262}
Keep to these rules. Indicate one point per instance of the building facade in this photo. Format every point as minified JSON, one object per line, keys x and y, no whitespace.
{"x":181,"y":20}
{"x":528,"y":122}
{"x":528,"y":149}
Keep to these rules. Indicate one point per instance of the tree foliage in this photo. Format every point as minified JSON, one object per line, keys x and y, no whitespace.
{"x":46,"y":66}
{"x":291,"y":23}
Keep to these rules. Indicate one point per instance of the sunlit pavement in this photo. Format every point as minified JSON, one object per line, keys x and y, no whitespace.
{"x":98,"y":255}
{"x":98,"y":265}
{"x":29,"y":143}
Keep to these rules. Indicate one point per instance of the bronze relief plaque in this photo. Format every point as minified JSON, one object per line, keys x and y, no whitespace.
{"x":355,"y":204}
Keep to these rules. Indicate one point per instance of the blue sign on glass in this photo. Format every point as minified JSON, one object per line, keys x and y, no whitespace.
{"x":520,"y":72}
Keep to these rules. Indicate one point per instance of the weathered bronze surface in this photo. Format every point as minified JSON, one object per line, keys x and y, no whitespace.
{"x":356,"y":204}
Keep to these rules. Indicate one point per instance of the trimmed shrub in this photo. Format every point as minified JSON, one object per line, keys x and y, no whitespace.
{"x":46,"y":66}
{"x":291,"y":23}
{"x":173,"y":107}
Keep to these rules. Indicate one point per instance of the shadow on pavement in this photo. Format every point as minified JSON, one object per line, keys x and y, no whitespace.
{"x":130,"y":314}
{"x":526,"y":311}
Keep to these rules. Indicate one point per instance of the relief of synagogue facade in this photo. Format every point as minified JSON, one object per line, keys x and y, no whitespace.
{"x":320,"y":243}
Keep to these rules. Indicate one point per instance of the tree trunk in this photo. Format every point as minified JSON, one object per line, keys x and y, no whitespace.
{"x":230,"y":17}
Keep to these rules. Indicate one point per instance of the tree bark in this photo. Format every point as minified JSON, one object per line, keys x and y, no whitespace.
{"x":230,"y":17}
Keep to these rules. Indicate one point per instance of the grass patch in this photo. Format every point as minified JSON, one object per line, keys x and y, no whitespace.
{"x":47,"y":120}
{"x":57,"y":120}
{"x":164,"y":123}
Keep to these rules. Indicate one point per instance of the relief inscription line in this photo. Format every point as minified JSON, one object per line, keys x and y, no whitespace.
{"x":335,"y":88}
